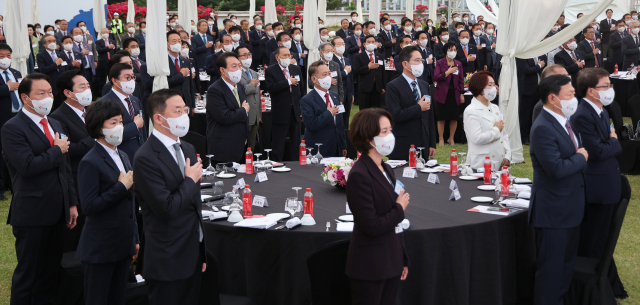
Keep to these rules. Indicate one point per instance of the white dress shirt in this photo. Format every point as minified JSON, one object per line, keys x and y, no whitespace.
{"x":409,"y":80}
{"x":77,"y":111}
{"x":563,"y":121}
{"x":322,"y":95}
{"x":231,"y":87}
{"x":168,"y":143}
{"x":340,"y":59}
{"x":36,"y":119}
{"x":122,"y":97}
{"x":13,"y":79}
{"x":113,"y":153}
{"x":596,"y":108}
{"x":288,"y":74}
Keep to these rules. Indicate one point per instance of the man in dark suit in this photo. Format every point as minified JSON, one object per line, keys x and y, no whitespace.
{"x":45,"y":199}
{"x":615,"y":43}
{"x":167,"y":176}
{"x":529,"y":71}
{"x":607,"y":28}
{"x":409,"y":102}
{"x":257,"y":37}
{"x":64,"y":26}
{"x":571,"y":59}
{"x":344,"y":31}
{"x":482,"y":45}
{"x":346,"y":75}
{"x":546,"y":72}
{"x":106,"y":49}
{"x":202,"y":43}
{"x":123,"y":57}
{"x":88,"y":61}
{"x":179,"y":78}
{"x":284,"y":85}
{"x":467,"y":54}
{"x":322,"y":115}
{"x":405,"y":31}
{"x":326,"y":56}
{"x":236,"y":37}
{"x":591,"y":49}
{"x":354,"y":42}
{"x":368,"y":67}
{"x":301,"y":51}
{"x":10,"y":103}
{"x":271,"y":45}
{"x":142,"y":39}
{"x":122,"y":83}
{"x":212,"y":26}
{"x":75,"y":60}
{"x":467,"y":23}
{"x":388,"y":37}
{"x":631,"y":46}
{"x":427,"y":55}
{"x":52,"y":63}
{"x":558,"y":193}
{"x":284,"y":40}
{"x":228,"y":112}
{"x":455,"y":36}
{"x":131,"y":46}
{"x":438,"y":51}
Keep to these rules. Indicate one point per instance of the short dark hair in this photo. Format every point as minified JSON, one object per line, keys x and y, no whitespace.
{"x":281,"y":34}
{"x":127,"y":41}
{"x":157,"y":102}
{"x":448,"y":46}
{"x":478,"y":81}
{"x":579,"y":15}
{"x":279,"y":48}
{"x":353,"y":13}
{"x":172,"y":32}
{"x":142,"y":22}
{"x":4,"y":46}
{"x":552,"y":85}
{"x":115,"y":59}
{"x":584,"y":31}
{"x":405,"y":37}
{"x":116,"y":69}
{"x":383,"y":20}
{"x":625,"y":15}
{"x":442,"y":30}
{"x":589,"y":78}
{"x":634,"y":12}
{"x":234,"y":28}
{"x":465,"y":14}
{"x":78,"y":23}
{"x":405,"y":54}
{"x":619,"y":21}
{"x":293,"y":30}
{"x":221,"y":62}
{"x":418,"y":33}
{"x":65,"y":38}
{"x":222,"y":36}
{"x":333,"y":41}
{"x":475,"y":25}
{"x":608,"y":10}
{"x":65,"y":80}
{"x":366,"y":24}
{"x":369,"y":36}
{"x":185,"y":42}
{"x":314,"y":66}
{"x":357,"y":24}
{"x":237,"y":50}
{"x":405,"y":21}
{"x":366,"y":125}
{"x":459,"y":23}
{"x":276,"y":24}
{"x":98,"y":113}
{"x":27,"y":82}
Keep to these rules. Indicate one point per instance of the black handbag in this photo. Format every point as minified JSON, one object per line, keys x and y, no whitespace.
{"x":627,"y":132}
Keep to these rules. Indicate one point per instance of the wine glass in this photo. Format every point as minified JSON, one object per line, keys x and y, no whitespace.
{"x":309,"y":156}
{"x":210,"y":167}
{"x":227,"y":198}
{"x":292,"y":206}
{"x":217,"y":187}
{"x":462,"y":171}
{"x":268,"y":167}
{"x":318,"y":155}
{"x":420,"y":162}
{"x":255,"y":164}
{"x":512,"y":187}
{"x":267,"y":150}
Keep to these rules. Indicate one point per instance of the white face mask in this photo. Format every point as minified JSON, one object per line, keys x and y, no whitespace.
{"x":235,"y":76}
{"x":259,"y":27}
{"x":328,"y":56}
{"x":324,"y":38}
{"x":210,"y":23}
{"x":77,"y":38}
{"x":287,"y":44}
{"x":42,"y":107}
{"x":234,"y":21}
{"x":458,"y":30}
{"x":105,"y":36}
{"x":135,"y":52}
{"x":176,"y":20}
{"x":357,"y":33}
{"x":278,"y":32}
{"x":285,"y":62}
{"x":227,"y":47}
{"x":172,"y":24}
{"x":114,"y":135}
{"x":621,"y":29}
{"x":270,"y":33}
{"x":430,"y":24}
{"x":417,"y":70}
{"x":5,"y":63}
{"x":445,"y":37}
{"x":464,"y":41}
{"x":175,"y":48}
{"x":465,"y":19}
{"x":490,"y":94}
{"x":490,"y":31}
{"x":387,"y":27}
{"x":299,"y":25}
{"x":424,"y":42}
{"x":371,"y":47}
{"x":68,"y":47}
{"x":51,"y":46}
{"x":297,"y":37}
{"x":632,"y":17}
{"x":606,"y":97}
{"x":635,"y":31}
{"x":569,"y":107}
{"x":218,"y":50}
{"x":384,"y":145}
{"x":179,"y":126}
{"x":457,"y":19}
{"x":451,"y":55}
{"x":482,"y":26}
{"x":83,"y":98}
{"x":144,"y":31}
{"x":340,"y":50}
{"x":235,"y":37}
{"x":184,"y":53}
{"x":325,"y":83}
{"x":572,"y":46}
{"x":128,"y":87}
{"x":354,"y":19}
{"x":477,"y":33}
{"x":131,"y":30}
{"x":408,"y":29}
{"x":39,"y":30}
{"x":555,"y":28}
{"x":247,"y":62}
{"x":51,"y":32}
{"x":57,"y":26}
{"x":372,"y":32}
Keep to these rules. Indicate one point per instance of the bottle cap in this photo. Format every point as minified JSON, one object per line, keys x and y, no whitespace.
{"x":246,"y":186}
{"x":197,"y":155}
{"x":505,"y":167}
{"x":453,"y":150}
{"x":249,"y":149}
{"x":412,"y":146}
{"x":302,"y":141}
{"x":487,"y":157}
{"x":308,"y":189}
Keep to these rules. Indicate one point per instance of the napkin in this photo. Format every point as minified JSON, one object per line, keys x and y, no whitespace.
{"x":293,"y":222}
{"x":405,"y":224}
{"x":480,"y":170}
{"x":241,"y":168}
{"x":523,"y":180}
{"x":256,"y":223}
{"x":236,"y":165}
{"x":525,"y":195}
{"x":432,"y":163}
{"x":523,"y":188}
{"x":213,"y":215}
{"x":516,"y":203}
{"x":344,"y":227}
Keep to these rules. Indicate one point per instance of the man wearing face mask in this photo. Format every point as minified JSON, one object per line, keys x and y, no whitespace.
{"x":571,"y":59}
{"x":481,"y":44}
{"x":322,"y":114}
{"x":554,"y":29}
{"x":388,"y":38}
{"x":467,"y":24}
{"x":284,"y":40}
{"x":453,"y":25}
{"x":123,"y":85}
{"x":326,"y":56}
{"x":38,"y":162}
{"x":491,"y":40}
{"x":346,"y":75}
{"x":455,"y":36}
{"x":353,"y":19}
{"x":257,"y":38}
{"x":438,"y":50}
{"x":236,"y":37}
{"x":52,"y":63}
{"x":409,"y":102}
{"x":167,"y":176}
{"x":631,"y":46}
{"x":130,"y":32}
{"x":355,"y":42}
{"x":251,"y":85}
{"x":88,"y":61}
{"x":142,"y":39}
{"x":405,"y":31}
{"x":558,"y":193}
{"x":615,"y":43}
{"x":468,"y":54}
{"x":591,"y":49}
{"x":528,"y":71}
{"x":607,"y":28}
{"x":63,"y":30}
{"x":180,"y":77}
{"x":228,"y":112}
{"x":549,"y":70}
{"x":369,"y":28}
{"x":202,"y":42}
{"x":272,"y":44}
{"x":210,"y":66}
{"x":368,"y":67}
{"x":344,"y":30}
{"x":427,"y":55}
{"x":106,"y":49}
{"x":300,"y":49}
{"x":10,"y":101}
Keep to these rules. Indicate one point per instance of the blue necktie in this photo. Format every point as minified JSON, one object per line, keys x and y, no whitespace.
{"x":248,"y":74}
{"x":14,"y":99}
{"x":300,"y":52}
{"x":604,"y":120}
{"x":414,"y":84}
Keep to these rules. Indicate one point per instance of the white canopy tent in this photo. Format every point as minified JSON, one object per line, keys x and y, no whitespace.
{"x":157,"y":61}
{"x":99,"y":15}
{"x":312,"y":38}
{"x":478,"y":9}
{"x":359,"y":11}
{"x":187,"y":11}
{"x":252,"y":9}
{"x":34,"y":12}
{"x":322,"y":10}
{"x":131,"y":12}
{"x":374,"y":12}
{"x":270,"y":15}
{"x":619,"y":7}
{"x":15,"y":27}
{"x":433,"y":11}
{"x":409,"y":9}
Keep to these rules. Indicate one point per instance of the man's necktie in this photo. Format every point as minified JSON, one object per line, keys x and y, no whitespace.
{"x":573,"y":56}
{"x":570,"y":130}
{"x":180,"y":158}
{"x":477,"y":41}
{"x":326,"y":97}
{"x":14,"y":99}
{"x":70,"y":56}
{"x":596,"y":56}
{"x":300,"y":52}
{"x":204,"y":39}
{"x":465,"y":51}
{"x":604,"y":120}
{"x":47,"y":133}
{"x":389,"y":34}
{"x":414,"y":87}
{"x":177,"y":65}
{"x":235,"y":93}
{"x":636,"y":41}
{"x":342,"y":62}
{"x":129,"y":106}
{"x":286,"y":76}
{"x":248,"y":74}
{"x":371,"y":57}
{"x":137,"y":63}
{"x":358,"y":41}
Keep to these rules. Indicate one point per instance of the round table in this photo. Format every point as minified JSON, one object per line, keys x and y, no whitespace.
{"x":456,"y":256}
{"x":625,"y":89}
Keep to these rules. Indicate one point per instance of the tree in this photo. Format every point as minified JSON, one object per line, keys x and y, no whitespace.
{"x":336,"y":4}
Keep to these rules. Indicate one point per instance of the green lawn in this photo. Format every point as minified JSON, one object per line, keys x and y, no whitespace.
{"x":627,"y":253}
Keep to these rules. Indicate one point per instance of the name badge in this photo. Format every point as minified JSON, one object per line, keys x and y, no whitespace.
{"x":484,"y":45}
{"x":64,"y":63}
{"x":430,"y":56}
{"x":380,"y":62}
{"x":472,"y":55}
{"x":399,"y":229}
{"x":297,"y":77}
{"x":334,"y":73}
{"x":340,"y":108}
{"x":399,"y":187}
{"x":305,"y":52}
{"x":455,"y":73}
{"x":89,"y":42}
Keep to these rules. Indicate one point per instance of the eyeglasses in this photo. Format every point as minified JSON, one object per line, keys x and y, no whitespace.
{"x":180,"y":111}
{"x":605,"y":86}
{"x":129,"y":77}
{"x":416,"y":61}
{"x":248,"y":55}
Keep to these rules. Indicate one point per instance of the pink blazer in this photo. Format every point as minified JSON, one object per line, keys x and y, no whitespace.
{"x":440,"y":94}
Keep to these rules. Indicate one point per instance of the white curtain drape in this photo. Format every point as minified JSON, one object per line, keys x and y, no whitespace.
{"x":433,"y":11}
{"x":270,"y":15}
{"x":409,"y":9}
{"x":494,"y":7}
{"x":252,"y":10}
{"x":157,"y":61}
{"x":619,"y":7}
{"x":15,"y":27}
{"x":374,"y":12}
{"x":310,"y":25}
{"x":478,"y":9}
{"x":359,"y":11}
{"x":131,"y":12}
{"x":322,"y":10}
{"x":34,"y":12}
{"x":519,"y":39}
{"x":187,"y":11}
{"x":99,"y":15}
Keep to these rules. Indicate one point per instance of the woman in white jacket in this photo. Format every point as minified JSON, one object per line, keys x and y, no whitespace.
{"x":484,"y":125}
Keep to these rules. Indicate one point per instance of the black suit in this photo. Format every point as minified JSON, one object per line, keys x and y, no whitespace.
{"x":344,"y":34}
{"x":43,"y":194}
{"x":141,"y":42}
{"x":227,"y":123}
{"x":201,"y":48}
{"x":481,"y":59}
{"x":411,"y":125}
{"x":285,"y":109}
{"x":181,"y":83}
{"x":438,"y":51}
{"x":631,"y":51}
{"x":564,"y":59}
{"x":376,"y":254}
{"x":615,"y":43}
{"x":605,"y":29}
{"x":49,"y":67}
{"x":589,"y":58}
{"x":132,"y":138}
{"x":270,"y":46}
{"x":387,"y":43}
{"x":257,"y":47}
{"x":352,"y":48}
{"x":212,"y":68}
{"x":321,"y":126}
{"x":6,"y":110}
{"x":369,"y":81}
{"x":528,"y":73}
{"x":294,"y":55}
{"x":468,"y":66}
{"x":110,"y":236}
{"x":347,"y":85}
{"x":102,"y":71}
{"x":171,"y":208}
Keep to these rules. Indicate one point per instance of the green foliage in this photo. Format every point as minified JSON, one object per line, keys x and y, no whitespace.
{"x":336,"y":4}
{"x":351,"y":8}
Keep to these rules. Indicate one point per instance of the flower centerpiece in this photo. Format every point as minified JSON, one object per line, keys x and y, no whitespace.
{"x":337,"y":173}
{"x":467,"y":78}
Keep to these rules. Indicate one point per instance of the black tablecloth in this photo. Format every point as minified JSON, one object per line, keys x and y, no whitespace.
{"x":457,"y":257}
{"x":199,"y":125}
{"x":625,"y":89}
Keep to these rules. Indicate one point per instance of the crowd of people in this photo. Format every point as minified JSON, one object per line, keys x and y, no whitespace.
{"x":60,"y":178}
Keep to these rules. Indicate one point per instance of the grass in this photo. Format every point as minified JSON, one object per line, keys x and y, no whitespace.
{"x":627,"y":253}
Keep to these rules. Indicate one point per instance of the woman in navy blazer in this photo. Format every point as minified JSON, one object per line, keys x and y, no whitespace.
{"x":449,"y":79}
{"x":377,"y":260}
{"x":109,"y":242}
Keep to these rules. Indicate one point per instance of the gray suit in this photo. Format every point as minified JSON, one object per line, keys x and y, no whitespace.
{"x":58,"y":35}
{"x":86,"y":39}
{"x":125,"y":36}
{"x":334,"y":66}
{"x":253,"y":98}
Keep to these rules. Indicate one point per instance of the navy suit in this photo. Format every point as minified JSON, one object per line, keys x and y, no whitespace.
{"x":344,"y":34}
{"x":630,"y":51}
{"x":369,"y":81}
{"x":6,"y":110}
{"x":273,"y":61}
{"x":387,"y":44}
{"x":468,"y":66}
{"x":557,"y":206}
{"x":347,"y":85}
{"x":321,"y":126}
{"x":270,"y":46}
{"x":104,"y":54}
{"x":427,"y":74}
{"x":438,"y":51}
{"x":48,"y":66}
{"x":352,"y":48}
{"x":87,"y":60}
{"x":615,"y":42}
{"x":132,"y":138}
{"x":285,"y":109}
{"x":528,"y":73}
{"x":482,"y":53}
{"x":257,"y":47}
{"x":227,"y":123}
{"x":564,"y":59}
{"x":110,"y":235}
{"x":181,"y":83}
{"x":201,"y":49}
{"x":212,"y":68}
{"x":589,"y":57}
{"x":141,"y":43}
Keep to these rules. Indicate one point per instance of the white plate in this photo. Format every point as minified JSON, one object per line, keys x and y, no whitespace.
{"x":482,"y":199}
{"x":468,"y":178}
{"x":487,"y":187}
{"x":278,"y":216}
{"x":226,"y":175}
{"x":430,"y":170}
{"x":205,"y":197}
{"x":281,"y":169}
{"x":225,"y":208}
{"x":346,"y":218}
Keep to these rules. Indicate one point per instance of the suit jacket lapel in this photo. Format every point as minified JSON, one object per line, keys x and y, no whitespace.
{"x":35,"y":128}
{"x":598,"y":119}
{"x":73,"y":116}
{"x":229,"y":94}
{"x":558,"y":127}
{"x":378,"y":175}
{"x":166,"y":158}
{"x":107,"y":158}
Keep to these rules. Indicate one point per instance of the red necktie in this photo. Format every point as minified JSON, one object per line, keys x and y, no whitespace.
{"x":177,"y":65}
{"x":371,"y":57}
{"x":46,"y":131}
{"x":286,"y":76}
{"x":106,"y":44}
{"x":596,"y":56}
{"x":358,"y":40}
{"x":326,"y":96}
{"x":138,"y":63}
{"x":570,"y":130}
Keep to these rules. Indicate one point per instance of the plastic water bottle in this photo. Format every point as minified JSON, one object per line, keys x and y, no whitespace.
{"x":505,"y":181}
{"x":308,"y":202}
{"x":487,"y":170}
{"x":303,"y":153}
{"x":391,"y":63}
{"x":263,"y":105}
{"x":615,"y":71}
{"x":412,"y":156}
{"x":249,"y":161}
{"x":358,"y":155}
{"x":247,"y":202}
{"x":198,"y":157}
{"x":453,"y":163}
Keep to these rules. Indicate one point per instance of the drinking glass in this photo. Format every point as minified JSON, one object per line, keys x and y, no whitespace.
{"x":462,"y":171}
{"x":220,"y":168}
{"x":318,"y":155}
{"x":513,"y":191}
{"x":255,"y":164}
{"x":217,"y":187}
{"x":268,"y":167}
{"x":210,"y":167}
{"x":292,"y":205}
{"x":420,"y":162}
{"x":267,"y":150}
{"x":309,"y":156}
{"x":227,"y":198}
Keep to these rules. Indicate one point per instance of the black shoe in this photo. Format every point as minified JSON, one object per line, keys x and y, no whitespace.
{"x":3,"y":197}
